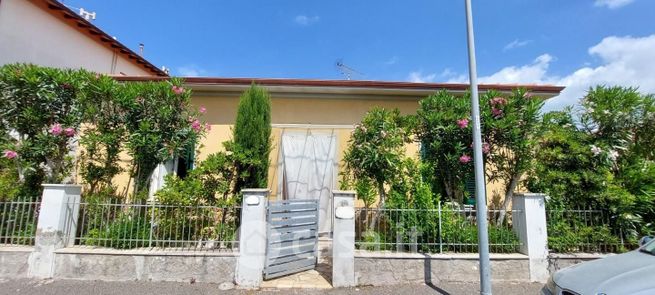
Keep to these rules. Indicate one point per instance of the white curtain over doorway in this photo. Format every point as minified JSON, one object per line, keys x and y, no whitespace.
{"x":309,"y":170}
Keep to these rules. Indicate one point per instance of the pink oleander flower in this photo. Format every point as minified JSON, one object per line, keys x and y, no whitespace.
{"x":528,"y":95}
{"x":178,"y":90}
{"x":486,"y":147}
{"x":9,"y":154}
{"x":497,"y":113}
{"x":69,"y":132}
{"x":202,"y":110}
{"x":208,"y":126}
{"x":56,"y":129}
{"x":463,"y":123}
{"x":465,"y":159}
{"x":498,"y":101}
{"x":196,"y":125}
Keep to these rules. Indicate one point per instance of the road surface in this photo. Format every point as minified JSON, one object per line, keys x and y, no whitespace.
{"x":72,"y":287}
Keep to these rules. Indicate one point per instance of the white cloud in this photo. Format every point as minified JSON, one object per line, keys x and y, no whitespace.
{"x":304,"y":20}
{"x":612,"y":4}
{"x":530,"y":73}
{"x":623,"y":61}
{"x":418,"y":77}
{"x":516,"y":44}
{"x":191,"y":71}
{"x":445,"y":75}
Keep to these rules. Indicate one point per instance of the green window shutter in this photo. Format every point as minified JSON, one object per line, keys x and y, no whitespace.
{"x":190,"y":158}
{"x":469,"y":186}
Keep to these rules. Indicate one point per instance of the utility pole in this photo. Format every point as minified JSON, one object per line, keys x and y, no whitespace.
{"x":480,"y":185}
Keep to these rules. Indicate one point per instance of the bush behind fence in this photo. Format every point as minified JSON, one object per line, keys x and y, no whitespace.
{"x":584,"y":230}
{"x":18,"y":221}
{"x":445,"y":229}
{"x":440,"y":230}
{"x":152,"y":225}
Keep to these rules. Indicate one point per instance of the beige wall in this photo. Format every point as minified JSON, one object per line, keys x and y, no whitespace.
{"x":30,"y":34}
{"x":298,"y":114}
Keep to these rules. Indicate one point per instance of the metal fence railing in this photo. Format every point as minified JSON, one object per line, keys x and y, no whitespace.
{"x":584,"y":231}
{"x":437,"y":230}
{"x":18,"y":222}
{"x":157,"y":226}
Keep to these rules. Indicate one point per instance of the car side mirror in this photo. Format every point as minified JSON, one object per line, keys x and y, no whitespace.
{"x":645,"y":240}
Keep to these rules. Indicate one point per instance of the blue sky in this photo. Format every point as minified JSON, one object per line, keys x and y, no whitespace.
{"x":526,"y":41}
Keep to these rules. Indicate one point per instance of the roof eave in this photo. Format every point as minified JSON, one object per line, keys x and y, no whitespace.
{"x":333,"y":88}
{"x":86,"y":27}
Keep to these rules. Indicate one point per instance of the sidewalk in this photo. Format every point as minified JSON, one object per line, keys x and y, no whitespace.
{"x":65,"y":287}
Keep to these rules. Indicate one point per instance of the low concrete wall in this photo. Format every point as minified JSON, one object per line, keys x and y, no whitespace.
{"x":559,"y":261}
{"x":387,"y":268}
{"x":14,"y":262}
{"x":130,"y":265}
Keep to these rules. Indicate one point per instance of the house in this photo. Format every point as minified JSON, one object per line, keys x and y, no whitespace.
{"x":312,"y":121}
{"x":47,"y":33}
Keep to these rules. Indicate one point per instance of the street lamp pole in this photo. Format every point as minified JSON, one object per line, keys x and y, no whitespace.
{"x":480,"y":185}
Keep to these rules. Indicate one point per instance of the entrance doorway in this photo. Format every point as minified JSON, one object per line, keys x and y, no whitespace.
{"x":309,"y":170}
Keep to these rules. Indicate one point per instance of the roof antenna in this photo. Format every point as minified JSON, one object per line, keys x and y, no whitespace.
{"x":87,"y":15}
{"x":141,"y":46}
{"x":346,"y":70}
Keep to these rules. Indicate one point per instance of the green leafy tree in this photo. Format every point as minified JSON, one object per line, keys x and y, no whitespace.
{"x":444,"y":131}
{"x":160,"y":123}
{"x":376,"y":150}
{"x":565,"y":167}
{"x":252,"y":134}
{"x":365,"y":189}
{"x":602,"y":161}
{"x":511,"y":134}
{"x":620,"y":121}
{"x":40,"y":106}
{"x":104,"y":133}
{"x":615,"y":118}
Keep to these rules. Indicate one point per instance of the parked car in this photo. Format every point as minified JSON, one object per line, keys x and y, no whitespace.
{"x":629,"y":273}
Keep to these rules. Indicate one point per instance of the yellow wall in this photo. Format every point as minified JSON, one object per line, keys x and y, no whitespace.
{"x":294,"y":114}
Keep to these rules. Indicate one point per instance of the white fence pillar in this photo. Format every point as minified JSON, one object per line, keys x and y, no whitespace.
{"x":529,"y":223}
{"x":56,"y":227}
{"x":343,"y":243}
{"x":252,"y":238}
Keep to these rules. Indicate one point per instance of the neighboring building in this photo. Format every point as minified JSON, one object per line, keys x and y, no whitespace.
{"x":47,"y":33}
{"x":312,"y":121}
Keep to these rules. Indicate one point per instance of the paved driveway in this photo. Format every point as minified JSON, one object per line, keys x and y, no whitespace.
{"x":69,"y":287}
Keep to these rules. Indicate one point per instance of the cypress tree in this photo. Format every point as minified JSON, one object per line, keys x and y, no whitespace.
{"x":252,"y":136}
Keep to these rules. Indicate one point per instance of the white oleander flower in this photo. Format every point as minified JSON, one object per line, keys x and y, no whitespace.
{"x":596,"y":150}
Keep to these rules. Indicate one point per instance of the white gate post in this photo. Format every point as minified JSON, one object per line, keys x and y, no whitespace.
{"x":343,"y":243}
{"x":56,"y":227}
{"x":529,"y":223}
{"x":252,"y":238}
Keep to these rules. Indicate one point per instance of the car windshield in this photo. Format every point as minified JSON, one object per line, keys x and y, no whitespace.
{"x":649,"y":248}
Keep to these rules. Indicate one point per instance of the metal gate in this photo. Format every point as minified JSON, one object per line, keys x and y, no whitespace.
{"x":292,"y":237}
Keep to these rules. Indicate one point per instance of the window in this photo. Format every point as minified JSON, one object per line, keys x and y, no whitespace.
{"x":185,"y":162}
